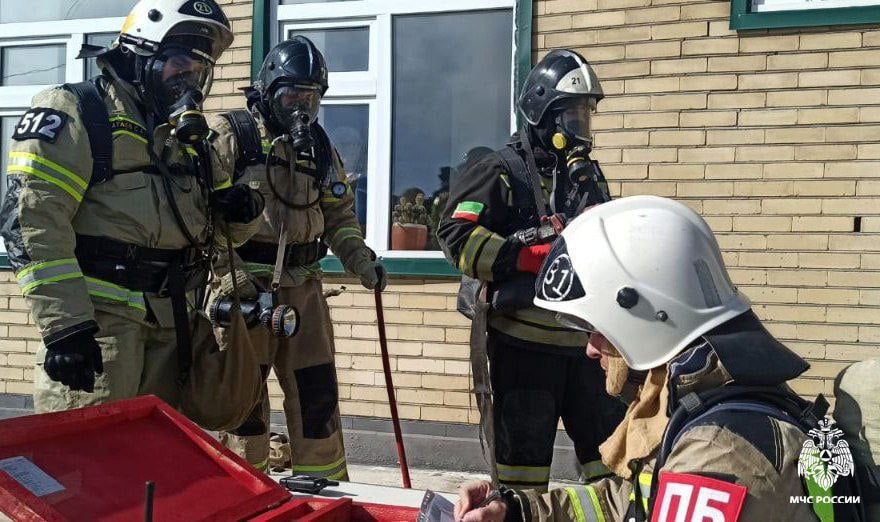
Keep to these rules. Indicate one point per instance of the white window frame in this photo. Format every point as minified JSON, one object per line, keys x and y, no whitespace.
{"x":15,"y":99}
{"x":374,"y":87}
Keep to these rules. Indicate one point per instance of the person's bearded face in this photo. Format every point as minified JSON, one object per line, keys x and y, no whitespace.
{"x":616,"y":371}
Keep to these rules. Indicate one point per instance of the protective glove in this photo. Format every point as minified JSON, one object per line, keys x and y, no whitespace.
{"x":374,"y":277}
{"x":247,"y":289}
{"x":74,"y":361}
{"x":238,"y":203}
{"x":531,"y":257}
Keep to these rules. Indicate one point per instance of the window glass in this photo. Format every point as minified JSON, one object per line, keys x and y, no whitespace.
{"x":758,"y":6}
{"x":46,"y":10}
{"x":284,"y":2}
{"x":446,"y":110}
{"x":33,"y":65}
{"x":102,"y":40}
{"x":7,"y":126}
{"x":345,"y":49}
{"x":348,"y":128}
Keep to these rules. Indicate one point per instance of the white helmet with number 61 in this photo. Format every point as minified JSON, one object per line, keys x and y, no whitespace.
{"x":646,"y":272}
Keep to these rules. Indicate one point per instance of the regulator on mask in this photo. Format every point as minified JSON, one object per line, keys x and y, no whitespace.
{"x":177,"y":79}
{"x":294,"y":108}
{"x":573,"y":137}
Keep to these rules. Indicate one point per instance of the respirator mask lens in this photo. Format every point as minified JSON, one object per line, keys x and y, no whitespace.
{"x":177,"y":71}
{"x":290,"y":103}
{"x":575,"y":119}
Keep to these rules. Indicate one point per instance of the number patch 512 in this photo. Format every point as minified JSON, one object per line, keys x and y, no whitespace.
{"x":40,"y":123}
{"x":682,"y":497}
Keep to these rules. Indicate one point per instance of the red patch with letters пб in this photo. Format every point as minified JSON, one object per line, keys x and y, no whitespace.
{"x":683,"y":497}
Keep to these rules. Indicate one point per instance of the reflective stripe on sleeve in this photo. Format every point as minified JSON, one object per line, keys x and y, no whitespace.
{"x":113,"y":292}
{"x":48,"y":171}
{"x":479,"y":253}
{"x":40,"y":274}
{"x":585,"y":503}
{"x":345,"y":233}
{"x":225,"y":184}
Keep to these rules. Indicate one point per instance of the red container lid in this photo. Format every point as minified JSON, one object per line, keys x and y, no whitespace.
{"x":93,"y":464}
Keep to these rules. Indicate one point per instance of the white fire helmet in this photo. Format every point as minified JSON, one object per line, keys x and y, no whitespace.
{"x":645,"y":272}
{"x":152,"y":21}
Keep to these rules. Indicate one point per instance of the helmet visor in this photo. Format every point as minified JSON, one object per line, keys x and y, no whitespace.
{"x":575,"y":118}
{"x":574,"y":322}
{"x":291,"y":102}
{"x":178,"y":71}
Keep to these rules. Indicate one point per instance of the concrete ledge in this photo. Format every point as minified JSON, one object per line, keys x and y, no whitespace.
{"x":429,"y":444}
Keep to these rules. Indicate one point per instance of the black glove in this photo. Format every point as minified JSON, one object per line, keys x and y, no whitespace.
{"x":238,"y":203}
{"x":373,"y":277}
{"x":74,"y":361}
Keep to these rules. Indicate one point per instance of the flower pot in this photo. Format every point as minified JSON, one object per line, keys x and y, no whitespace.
{"x":408,"y":236}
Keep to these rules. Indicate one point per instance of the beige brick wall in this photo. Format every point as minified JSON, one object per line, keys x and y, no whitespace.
{"x":771,"y":135}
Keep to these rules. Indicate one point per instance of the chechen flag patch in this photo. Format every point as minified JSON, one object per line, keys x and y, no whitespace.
{"x":468,"y":211}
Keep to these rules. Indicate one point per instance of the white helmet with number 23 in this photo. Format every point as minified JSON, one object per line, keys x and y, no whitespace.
{"x":646,"y":272}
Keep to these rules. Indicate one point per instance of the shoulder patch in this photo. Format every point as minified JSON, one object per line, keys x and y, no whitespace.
{"x":690,"y":497}
{"x":468,"y":211}
{"x":40,"y":123}
{"x":757,"y":429}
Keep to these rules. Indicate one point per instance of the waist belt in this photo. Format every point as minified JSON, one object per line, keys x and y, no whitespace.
{"x":296,"y":255}
{"x":138,"y":268}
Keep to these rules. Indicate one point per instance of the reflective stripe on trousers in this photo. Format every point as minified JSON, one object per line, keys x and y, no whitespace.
{"x":528,"y":476}
{"x":332,"y":471}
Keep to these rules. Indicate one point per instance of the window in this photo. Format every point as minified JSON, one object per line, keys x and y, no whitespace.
{"x":39,"y":42}
{"x":101,"y":40}
{"x":32,"y":65}
{"x":415,"y":88}
{"x":759,"y":14}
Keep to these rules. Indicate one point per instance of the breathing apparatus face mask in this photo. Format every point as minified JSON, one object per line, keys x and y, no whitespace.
{"x":295,"y":107}
{"x":178,"y":80}
{"x":573,"y":137}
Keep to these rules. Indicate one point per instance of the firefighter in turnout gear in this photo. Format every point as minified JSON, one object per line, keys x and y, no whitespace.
{"x":712,"y":430}
{"x":501,"y":217}
{"x":284,"y":153}
{"x":112,"y":205}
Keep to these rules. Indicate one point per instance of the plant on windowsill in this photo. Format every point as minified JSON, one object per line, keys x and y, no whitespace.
{"x":409,"y":230}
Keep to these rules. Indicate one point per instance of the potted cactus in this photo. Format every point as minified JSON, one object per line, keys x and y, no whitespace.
{"x":409,"y":229}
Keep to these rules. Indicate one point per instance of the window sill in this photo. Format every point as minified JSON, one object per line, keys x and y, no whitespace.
{"x":435,"y":267}
{"x":401,"y":266}
{"x":742,"y":19}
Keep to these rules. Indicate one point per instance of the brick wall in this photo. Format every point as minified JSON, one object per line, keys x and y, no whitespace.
{"x":771,"y":135}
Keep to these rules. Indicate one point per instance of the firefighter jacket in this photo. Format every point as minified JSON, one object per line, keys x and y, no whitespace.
{"x":485,"y":207}
{"x":730,"y":465}
{"x":315,"y":207}
{"x":49,"y":203}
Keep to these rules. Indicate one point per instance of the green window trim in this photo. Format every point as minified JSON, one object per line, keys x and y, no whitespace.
{"x":741,"y":18}
{"x":401,"y":266}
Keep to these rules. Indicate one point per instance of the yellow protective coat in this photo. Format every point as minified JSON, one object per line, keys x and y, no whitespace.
{"x":49,"y":202}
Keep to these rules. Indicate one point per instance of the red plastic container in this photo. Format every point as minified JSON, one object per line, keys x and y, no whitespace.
{"x":103,"y":456}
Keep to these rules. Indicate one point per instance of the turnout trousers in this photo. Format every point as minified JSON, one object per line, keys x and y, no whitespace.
{"x":306,"y":371}
{"x":532,"y":390}
{"x":140,"y":358}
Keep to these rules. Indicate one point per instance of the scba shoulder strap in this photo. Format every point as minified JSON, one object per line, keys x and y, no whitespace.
{"x":90,"y":102}
{"x":247,"y":135}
